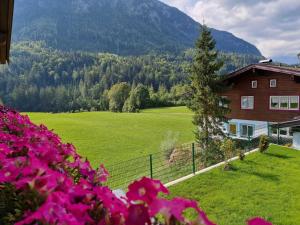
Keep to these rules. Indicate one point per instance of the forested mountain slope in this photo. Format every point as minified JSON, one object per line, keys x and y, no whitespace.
{"x":123,"y":27}
{"x":44,"y":79}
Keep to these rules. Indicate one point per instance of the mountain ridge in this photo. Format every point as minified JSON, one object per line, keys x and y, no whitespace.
{"x":123,"y":27}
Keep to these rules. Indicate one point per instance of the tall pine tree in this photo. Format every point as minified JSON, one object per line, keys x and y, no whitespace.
{"x":206,"y":101}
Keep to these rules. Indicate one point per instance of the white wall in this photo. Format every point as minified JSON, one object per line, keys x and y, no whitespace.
{"x":296,"y":140}
{"x":260,"y":127}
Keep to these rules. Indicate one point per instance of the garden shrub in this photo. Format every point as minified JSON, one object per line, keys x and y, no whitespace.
{"x":241,"y":154}
{"x":168,"y":145}
{"x":228,"y":149}
{"x":263,"y":143}
{"x":44,"y":181}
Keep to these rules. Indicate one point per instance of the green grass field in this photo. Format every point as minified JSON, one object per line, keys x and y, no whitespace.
{"x":105,"y":137}
{"x":265,"y":185}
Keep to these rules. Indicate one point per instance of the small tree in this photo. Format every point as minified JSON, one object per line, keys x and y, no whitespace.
{"x":139,"y":99}
{"x":205,"y":88}
{"x":228,"y":149}
{"x":263,"y":143}
{"x":117,"y":96}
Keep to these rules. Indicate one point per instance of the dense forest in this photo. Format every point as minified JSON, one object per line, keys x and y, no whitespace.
{"x":43,"y":79}
{"x":123,"y":27}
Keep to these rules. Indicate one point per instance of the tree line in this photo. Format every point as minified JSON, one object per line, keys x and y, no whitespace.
{"x":47,"y":80}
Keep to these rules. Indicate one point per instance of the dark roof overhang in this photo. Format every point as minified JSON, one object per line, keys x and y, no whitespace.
{"x":291,"y":123}
{"x":266,"y":67}
{"x":6,"y":17}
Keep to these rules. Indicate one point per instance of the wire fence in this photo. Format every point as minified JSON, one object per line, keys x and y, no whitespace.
{"x":181,"y":161}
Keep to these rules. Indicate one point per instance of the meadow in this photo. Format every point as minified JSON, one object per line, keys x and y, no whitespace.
{"x":105,"y":137}
{"x":264,"y":185}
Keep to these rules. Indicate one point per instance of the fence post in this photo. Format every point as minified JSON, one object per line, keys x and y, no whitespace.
{"x":151,"y":166}
{"x":193,"y":153}
{"x":268,"y":127}
{"x":278,"y":133}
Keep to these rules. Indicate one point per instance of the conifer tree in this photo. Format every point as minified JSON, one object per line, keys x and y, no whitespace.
{"x":206,"y":101}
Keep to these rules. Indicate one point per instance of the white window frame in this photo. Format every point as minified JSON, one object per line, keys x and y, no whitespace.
{"x":280,"y":98}
{"x":248,"y":99}
{"x":254,"y":84}
{"x":273,"y":83}
{"x":247,"y":125}
{"x":290,"y":97}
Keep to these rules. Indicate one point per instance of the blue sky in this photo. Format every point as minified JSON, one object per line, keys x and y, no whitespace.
{"x":272,"y":25}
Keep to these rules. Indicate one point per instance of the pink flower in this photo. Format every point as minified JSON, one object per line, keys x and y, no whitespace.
{"x":145,"y":190}
{"x":101,"y":175}
{"x":138,"y":215}
{"x":110,"y":201}
{"x":258,"y":221}
{"x":175,"y":208}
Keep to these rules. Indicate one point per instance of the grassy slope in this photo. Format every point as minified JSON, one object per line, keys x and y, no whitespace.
{"x":265,"y":185}
{"x":106,"y":137}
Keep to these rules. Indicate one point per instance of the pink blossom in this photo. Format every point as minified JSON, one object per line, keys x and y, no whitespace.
{"x":145,"y":190}
{"x":258,"y":221}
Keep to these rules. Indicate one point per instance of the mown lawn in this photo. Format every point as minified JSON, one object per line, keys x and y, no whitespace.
{"x":105,"y":137}
{"x":265,"y":185}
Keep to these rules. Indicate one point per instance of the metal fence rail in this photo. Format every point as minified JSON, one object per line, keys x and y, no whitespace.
{"x":167,"y":167}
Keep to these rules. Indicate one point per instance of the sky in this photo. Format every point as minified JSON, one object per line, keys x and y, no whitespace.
{"x":272,"y":25}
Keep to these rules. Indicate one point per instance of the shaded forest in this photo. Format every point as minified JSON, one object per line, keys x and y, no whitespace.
{"x":41,"y":79}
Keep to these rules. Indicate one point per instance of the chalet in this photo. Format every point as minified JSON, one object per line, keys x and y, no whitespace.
{"x":6,"y":15}
{"x":261,"y":95}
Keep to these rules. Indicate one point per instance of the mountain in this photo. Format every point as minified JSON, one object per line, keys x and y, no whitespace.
{"x":124,"y":27}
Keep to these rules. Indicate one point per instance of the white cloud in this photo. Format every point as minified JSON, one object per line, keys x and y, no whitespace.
{"x":272,"y":25}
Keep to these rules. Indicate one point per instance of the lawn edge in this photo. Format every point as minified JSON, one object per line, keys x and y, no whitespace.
{"x":205,"y":170}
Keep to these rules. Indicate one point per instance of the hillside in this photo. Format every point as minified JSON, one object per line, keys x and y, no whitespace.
{"x":43,"y":79}
{"x":124,"y":27}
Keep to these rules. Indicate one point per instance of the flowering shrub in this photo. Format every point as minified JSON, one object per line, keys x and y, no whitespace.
{"x":43,"y":181}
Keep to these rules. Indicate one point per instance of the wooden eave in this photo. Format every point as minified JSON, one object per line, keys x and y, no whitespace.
{"x":6,"y":18}
{"x":292,"y":123}
{"x":265,"y":67}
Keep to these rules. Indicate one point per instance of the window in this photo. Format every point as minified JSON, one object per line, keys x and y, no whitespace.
{"x":274,"y":131}
{"x":284,"y":102}
{"x":224,"y":102}
{"x":232,"y":129}
{"x":273,"y":83}
{"x":294,"y":102}
{"x":247,"y":130}
{"x":274,"y":102}
{"x":247,"y":102}
{"x":283,"y":132}
{"x":254,"y":84}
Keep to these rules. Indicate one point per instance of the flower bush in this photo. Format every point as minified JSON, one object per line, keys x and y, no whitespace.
{"x":43,"y":181}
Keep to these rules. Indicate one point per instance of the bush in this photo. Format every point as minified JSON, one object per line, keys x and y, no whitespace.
{"x":263,"y":143}
{"x":43,"y":181}
{"x":228,"y":149}
{"x":241,"y":154}
{"x":168,"y":145}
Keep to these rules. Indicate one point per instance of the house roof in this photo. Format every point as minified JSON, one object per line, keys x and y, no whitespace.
{"x":6,"y":16}
{"x":265,"y":67}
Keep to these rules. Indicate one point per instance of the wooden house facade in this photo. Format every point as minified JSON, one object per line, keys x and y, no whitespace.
{"x":259,"y":95}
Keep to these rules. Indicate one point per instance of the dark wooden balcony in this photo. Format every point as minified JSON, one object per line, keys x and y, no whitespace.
{"x":6,"y":17}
